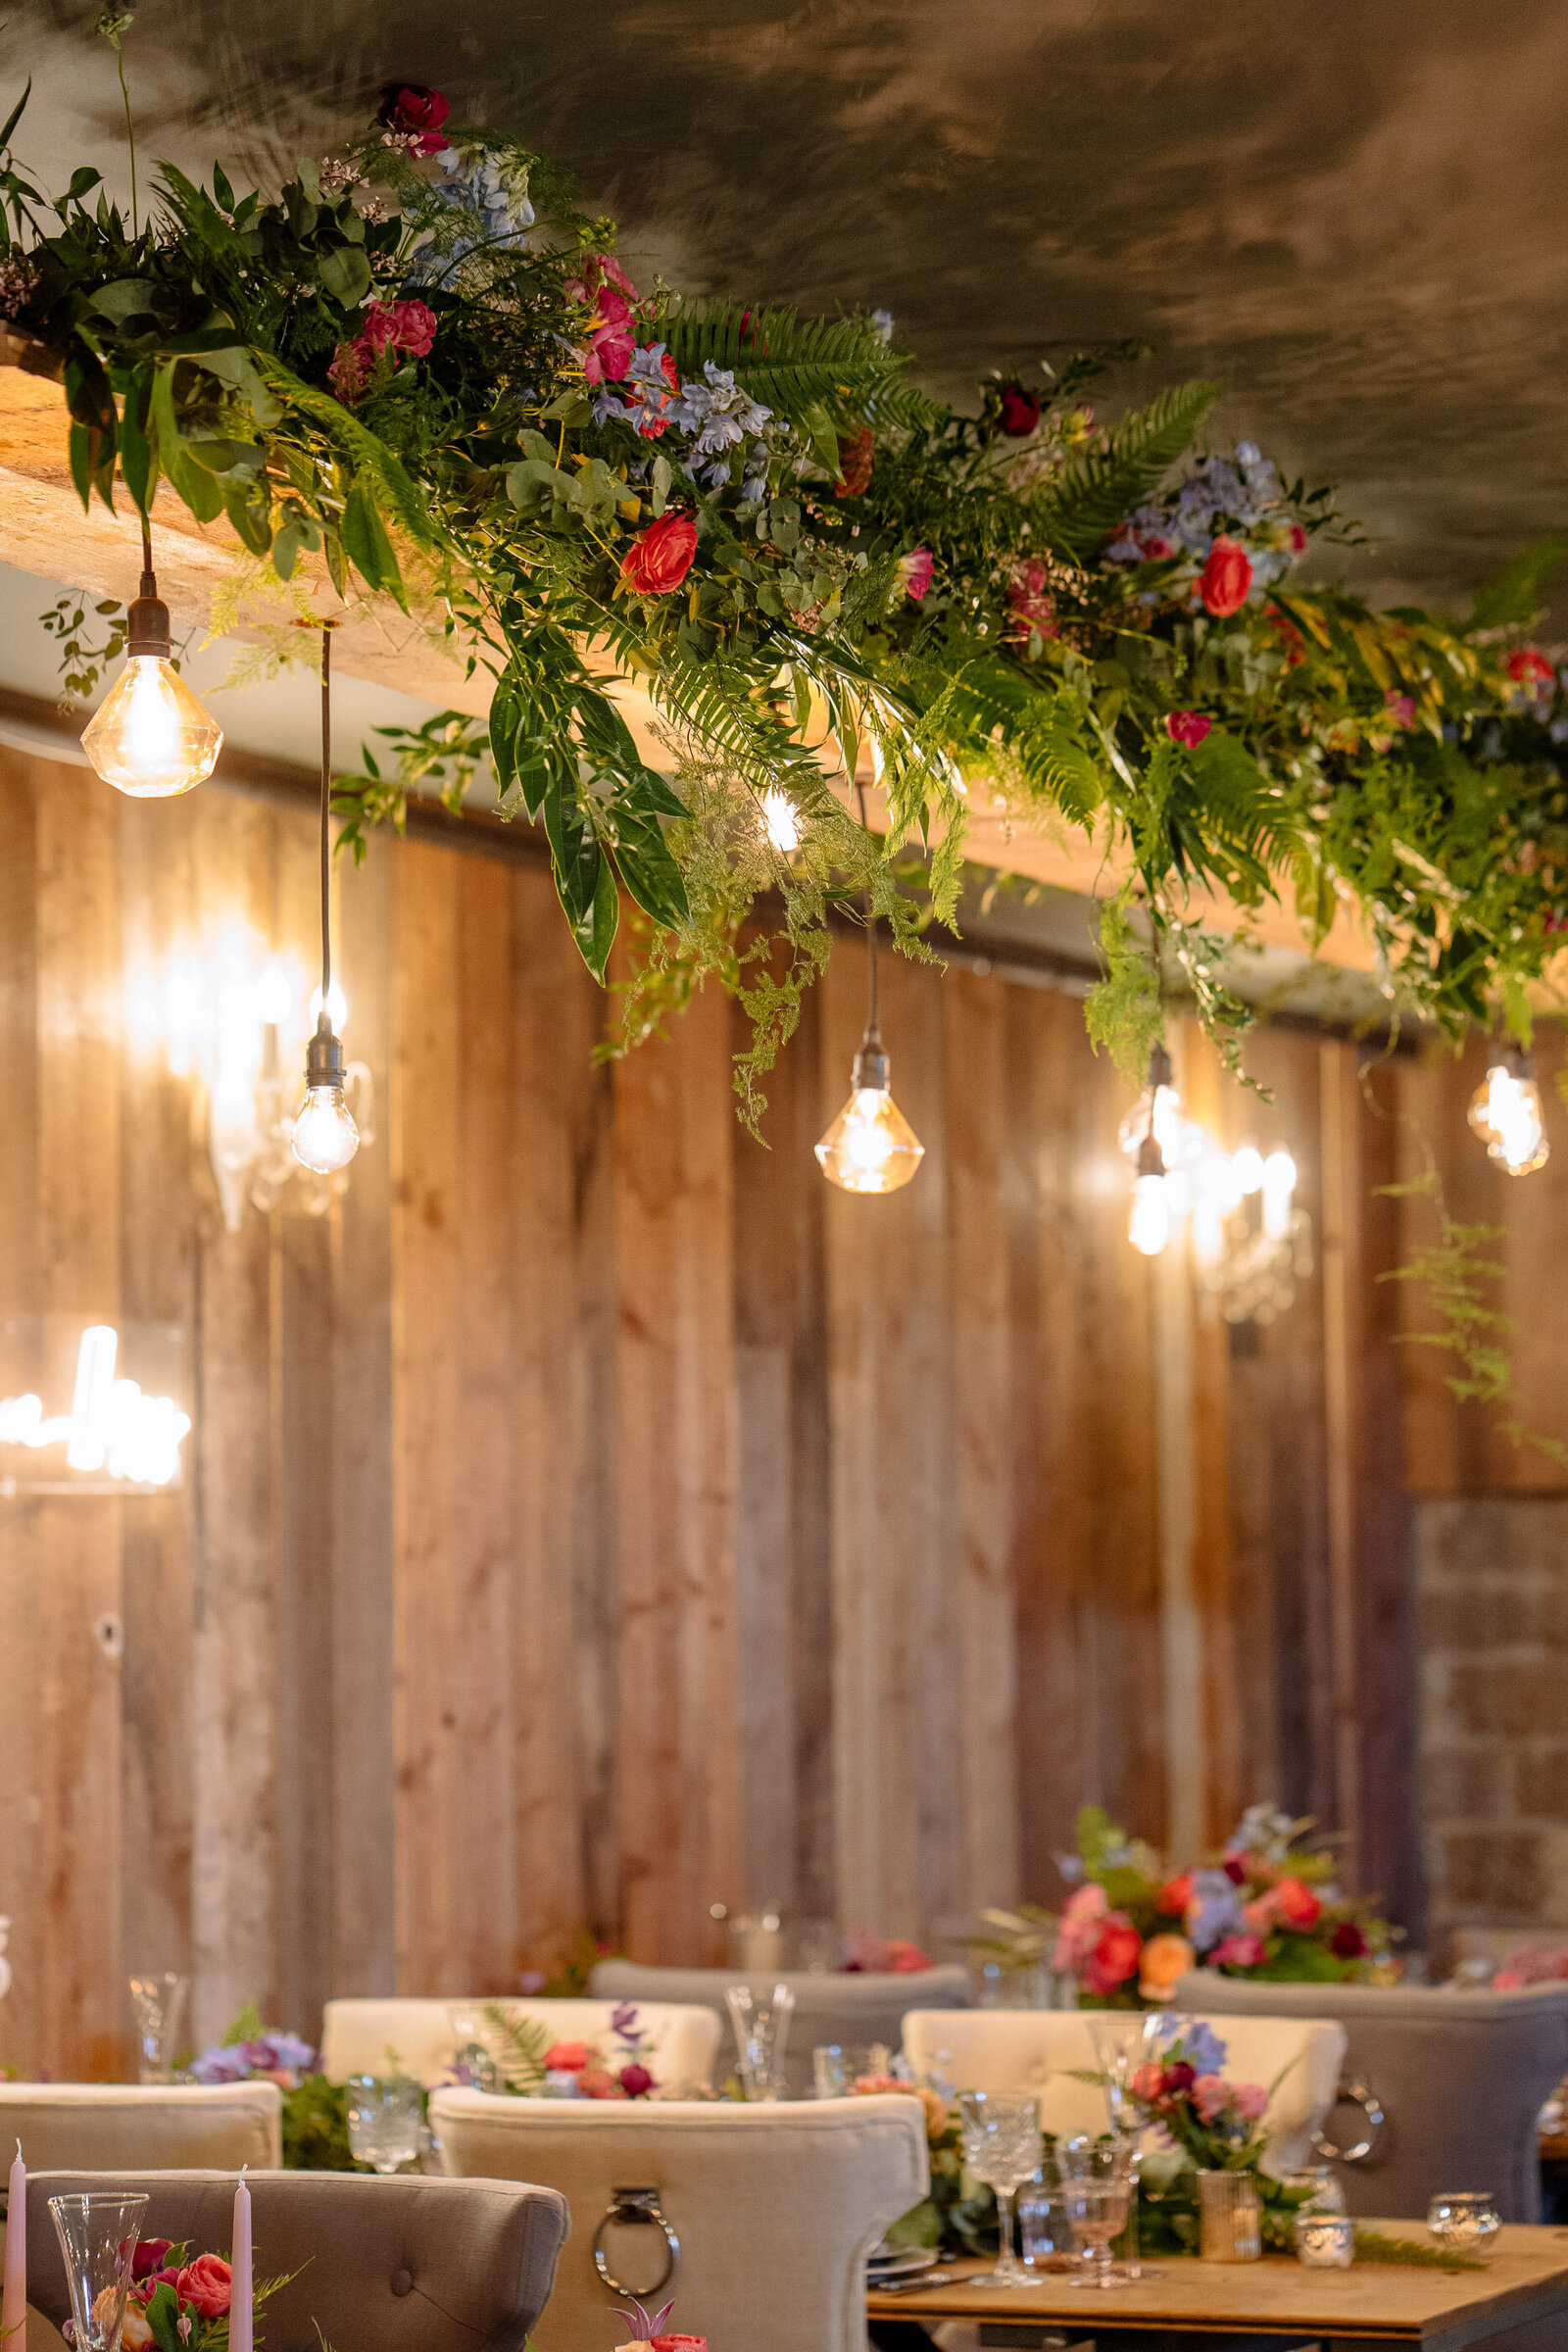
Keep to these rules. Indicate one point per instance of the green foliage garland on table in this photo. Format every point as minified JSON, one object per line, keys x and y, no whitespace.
{"x":421,"y":369}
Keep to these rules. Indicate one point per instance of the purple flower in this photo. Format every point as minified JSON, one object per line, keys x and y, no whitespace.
{"x":224,"y":2063}
{"x":624,"y":2020}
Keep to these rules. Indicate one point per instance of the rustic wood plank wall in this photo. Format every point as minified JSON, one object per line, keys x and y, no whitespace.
{"x":594,"y":1518}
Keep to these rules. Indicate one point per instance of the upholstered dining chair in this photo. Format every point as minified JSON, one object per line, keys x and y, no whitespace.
{"x":774,"y":2205}
{"x":1459,"y":2077}
{"x":114,"y":2127}
{"x":357,"y":2034}
{"x":1044,"y":2050}
{"x":399,"y":2265}
{"x":850,"y":2008}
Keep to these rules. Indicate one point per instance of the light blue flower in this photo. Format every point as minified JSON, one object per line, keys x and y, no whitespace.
{"x":882,"y":321}
{"x":1215,"y":1909}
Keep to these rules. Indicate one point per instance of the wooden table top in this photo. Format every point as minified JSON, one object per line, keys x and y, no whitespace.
{"x":1526,"y":2277}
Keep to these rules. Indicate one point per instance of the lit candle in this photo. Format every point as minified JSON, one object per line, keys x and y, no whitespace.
{"x":239,"y":2293}
{"x":13,"y":2306}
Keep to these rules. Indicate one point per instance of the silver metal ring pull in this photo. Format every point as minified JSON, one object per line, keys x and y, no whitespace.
{"x":1354,"y":2093}
{"x":636,"y":2209}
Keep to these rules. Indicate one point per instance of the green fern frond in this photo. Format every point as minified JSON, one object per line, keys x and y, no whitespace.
{"x":525,"y":2044}
{"x":1083,"y":505}
{"x":790,"y":363}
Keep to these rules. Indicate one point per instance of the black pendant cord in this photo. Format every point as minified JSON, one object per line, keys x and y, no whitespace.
{"x":327,"y":822}
{"x":149,"y":578}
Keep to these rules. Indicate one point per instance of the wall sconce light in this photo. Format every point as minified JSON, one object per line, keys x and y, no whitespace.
{"x":116,"y":1434}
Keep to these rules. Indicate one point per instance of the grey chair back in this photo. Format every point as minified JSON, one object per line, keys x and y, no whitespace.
{"x":852,"y":2009}
{"x":1461,"y":2076}
{"x":406,"y":2264}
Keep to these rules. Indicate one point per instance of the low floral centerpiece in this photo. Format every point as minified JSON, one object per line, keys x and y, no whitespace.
{"x":1267,"y":1908}
{"x":177,"y":2300}
{"x":647,"y":2328}
{"x":1209,"y":2125}
{"x":519,"y":2057}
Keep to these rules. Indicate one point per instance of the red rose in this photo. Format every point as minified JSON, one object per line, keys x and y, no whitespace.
{"x":417,"y":113}
{"x":1348,"y":1942}
{"x":1298,"y":1906}
{"x":660,"y":559}
{"x":1187,"y":727}
{"x":855,"y":453}
{"x":635,"y":2081}
{"x":205,"y":2284}
{"x":1017,"y":412}
{"x":1176,"y":1894}
{"x":1235,"y":1870}
{"x":1115,"y":1957}
{"x":149,"y":2256}
{"x":1528,"y":666}
{"x":1225,"y":578}
{"x":1177,"y":2079}
{"x":1298,"y":538}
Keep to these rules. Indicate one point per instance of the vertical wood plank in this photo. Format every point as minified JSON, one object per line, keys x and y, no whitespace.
{"x":364,"y":1938}
{"x":82,"y":2022}
{"x":429,"y":1315}
{"x":679,"y":1750}
{"x":978,"y":1075}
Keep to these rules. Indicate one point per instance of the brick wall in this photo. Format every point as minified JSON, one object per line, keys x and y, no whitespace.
{"x":1492,"y":1581}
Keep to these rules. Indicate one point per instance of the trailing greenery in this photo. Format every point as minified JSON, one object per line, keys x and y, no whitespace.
{"x":417,"y":372}
{"x":1376,"y":2245}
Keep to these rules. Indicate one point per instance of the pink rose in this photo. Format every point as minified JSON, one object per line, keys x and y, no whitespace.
{"x":204,"y":2285}
{"x":1079,"y":1933}
{"x":1400,"y":708}
{"x":914,"y":571}
{"x":400,"y":326}
{"x":905,"y":1959}
{"x":1210,"y":2094}
{"x":1251,"y":2099}
{"x":1145,"y":2079}
{"x":1225,"y":579}
{"x":1187,"y":727}
{"x":1238,"y":1951}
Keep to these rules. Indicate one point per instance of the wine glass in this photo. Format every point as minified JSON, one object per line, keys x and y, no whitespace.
{"x":159,"y":2003}
{"x":98,"y":2235}
{"x":385,"y":2119}
{"x":1121,"y":2042}
{"x":1002,"y":2148}
{"x":1098,"y":2180}
{"x":761,"y":2030}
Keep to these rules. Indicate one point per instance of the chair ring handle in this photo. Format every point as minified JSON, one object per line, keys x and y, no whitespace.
{"x":1354,"y":2094}
{"x":632,"y":2205}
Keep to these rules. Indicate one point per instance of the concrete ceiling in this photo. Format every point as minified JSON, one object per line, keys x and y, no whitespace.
{"x":1352,"y":215}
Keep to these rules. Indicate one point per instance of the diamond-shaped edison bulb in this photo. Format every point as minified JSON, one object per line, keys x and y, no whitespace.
{"x":871,"y":1147}
{"x":149,"y":736}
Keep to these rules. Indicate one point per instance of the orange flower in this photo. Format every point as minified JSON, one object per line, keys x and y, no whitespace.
{"x":1165,"y":1958}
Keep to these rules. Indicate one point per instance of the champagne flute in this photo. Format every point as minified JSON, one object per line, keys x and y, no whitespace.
{"x":98,"y":2235}
{"x":1002,"y":2148}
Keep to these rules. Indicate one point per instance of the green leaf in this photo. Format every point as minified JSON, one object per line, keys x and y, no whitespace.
{"x":1086,"y":502}
{"x":163,"y":2318}
{"x":507,"y":713}
{"x":345,"y":272}
{"x":137,"y":460}
{"x":584,"y":881}
{"x":123,"y":298}
{"x":647,"y":867}
{"x":367,"y":545}
{"x":250,"y":517}
{"x":1515,"y":595}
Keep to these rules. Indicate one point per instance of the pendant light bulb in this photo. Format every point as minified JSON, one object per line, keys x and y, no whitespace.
{"x":149,"y":736}
{"x":1505,"y":1112}
{"x":1148,"y":1229}
{"x":871,"y":1147}
{"x":325,"y":1138}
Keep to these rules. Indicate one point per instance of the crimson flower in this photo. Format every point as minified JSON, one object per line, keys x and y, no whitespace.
{"x":1187,"y":727}
{"x":1017,"y":412}
{"x":661,"y":557}
{"x":416,"y":113}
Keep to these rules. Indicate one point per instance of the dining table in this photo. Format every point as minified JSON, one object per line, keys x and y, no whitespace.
{"x":1180,"y":2304}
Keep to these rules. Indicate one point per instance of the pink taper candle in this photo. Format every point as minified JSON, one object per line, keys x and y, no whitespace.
{"x":240,"y":2331}
{"x":14,"y":2304}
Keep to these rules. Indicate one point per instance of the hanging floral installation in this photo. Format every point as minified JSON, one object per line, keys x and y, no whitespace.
{"x":422,"y":373}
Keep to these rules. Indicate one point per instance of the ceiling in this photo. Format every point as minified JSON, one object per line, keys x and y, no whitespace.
{"x":1349,"y":214}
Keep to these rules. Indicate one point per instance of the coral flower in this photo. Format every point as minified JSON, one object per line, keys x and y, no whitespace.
{"x":567,"y":2058}
{"x":857,"y":452}
{"x":1529,"y":667}
{"x":660,"y":559}
{"x":1226,"y":578}
{"x":1163,"y":1959}
{"x":204,"y":2285}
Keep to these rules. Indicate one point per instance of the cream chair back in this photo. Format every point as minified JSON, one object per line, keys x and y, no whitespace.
{"x":1044,"y":2050}
{"x":775,"y":2206}
{"x":126,"y":2127}
{"x":356,"y":2036}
